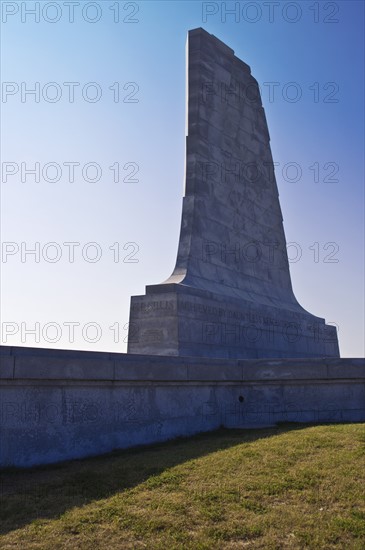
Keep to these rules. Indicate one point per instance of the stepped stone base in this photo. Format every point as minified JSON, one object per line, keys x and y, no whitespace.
{"x":174,"y":319}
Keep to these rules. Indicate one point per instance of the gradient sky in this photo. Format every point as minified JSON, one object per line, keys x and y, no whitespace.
{"x":318,"y":46}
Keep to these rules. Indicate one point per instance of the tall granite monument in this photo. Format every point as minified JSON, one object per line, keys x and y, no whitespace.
{"x":230,"y":295}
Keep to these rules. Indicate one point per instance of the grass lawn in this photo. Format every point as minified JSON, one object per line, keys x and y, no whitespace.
{"x":293,"y":486}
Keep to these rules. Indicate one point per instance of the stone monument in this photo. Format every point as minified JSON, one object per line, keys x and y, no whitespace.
{"x":230,"y":295}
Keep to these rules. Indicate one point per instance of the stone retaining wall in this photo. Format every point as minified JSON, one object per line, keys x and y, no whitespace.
{"x":57,"y":405}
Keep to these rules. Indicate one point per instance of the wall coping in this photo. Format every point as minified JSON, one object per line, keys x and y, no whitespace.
{"x":24,"y":363}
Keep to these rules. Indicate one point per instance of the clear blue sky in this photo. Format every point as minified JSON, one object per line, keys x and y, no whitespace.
{"x":318,"y":46}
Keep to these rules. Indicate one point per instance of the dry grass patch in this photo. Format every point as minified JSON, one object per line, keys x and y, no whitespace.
{"x":288,"y":487}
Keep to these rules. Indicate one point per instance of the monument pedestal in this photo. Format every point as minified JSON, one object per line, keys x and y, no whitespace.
{"x":174,"y":319}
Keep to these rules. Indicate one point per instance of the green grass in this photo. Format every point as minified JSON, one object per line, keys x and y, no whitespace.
{"x":287,"y":487}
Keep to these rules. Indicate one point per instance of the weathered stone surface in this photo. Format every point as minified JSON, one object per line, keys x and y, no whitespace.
{"x":230,"y":294}
{"x":58,"y":405}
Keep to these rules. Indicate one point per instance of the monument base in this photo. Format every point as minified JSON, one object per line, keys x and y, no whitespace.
{"x":61,"y":404}
{"x":175,"y":319}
